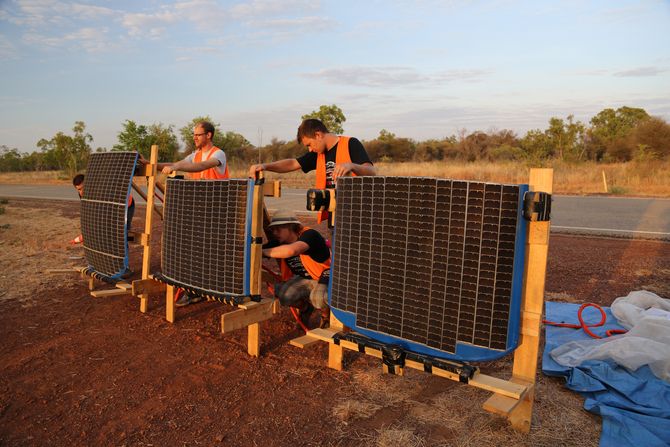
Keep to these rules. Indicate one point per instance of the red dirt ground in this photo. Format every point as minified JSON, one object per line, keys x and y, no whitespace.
{"x":76,"y":370}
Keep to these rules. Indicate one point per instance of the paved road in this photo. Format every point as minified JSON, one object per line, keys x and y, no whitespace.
{"x":612,"y":216}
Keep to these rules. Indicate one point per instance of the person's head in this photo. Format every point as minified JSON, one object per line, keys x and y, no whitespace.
{"x":78,"y":183}
{"x":285,"y":226}
{"x":203,"y":133}
{"x":312,"y":133}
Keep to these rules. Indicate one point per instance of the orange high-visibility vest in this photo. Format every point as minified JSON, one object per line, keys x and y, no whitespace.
{"x":342,"y":156}
{"x":315,"y":269}
{"x":211,"y":173}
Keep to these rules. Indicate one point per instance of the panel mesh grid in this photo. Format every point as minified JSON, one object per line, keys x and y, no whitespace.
{"x":103,"y":211}
{"x":426,"y":260}
{"x":204,"y":235}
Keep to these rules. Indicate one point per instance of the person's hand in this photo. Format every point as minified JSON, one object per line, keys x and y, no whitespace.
{"x":167,"y":170}
{"x":143,"y":160}
{"x":256,"y":168}
{"x":343,"y":169}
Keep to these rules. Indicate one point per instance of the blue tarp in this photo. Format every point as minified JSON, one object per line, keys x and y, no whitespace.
{"x":635,"y":406}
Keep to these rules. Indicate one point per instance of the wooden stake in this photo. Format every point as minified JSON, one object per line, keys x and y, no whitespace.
{"x":524,"y":369}
{"x":335,"y":351}
{"x":148,"y":220}
{"x":605,"y":182}
{"x":169,"y":304}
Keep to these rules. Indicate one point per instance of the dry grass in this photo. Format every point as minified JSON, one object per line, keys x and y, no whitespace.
{"x":34,"y":178}
{"x":639,"y":179}
{"x":25,"y":258}
{"x":425,"y":410}
{"x":350,"y":409}
{"x":635,"y":179}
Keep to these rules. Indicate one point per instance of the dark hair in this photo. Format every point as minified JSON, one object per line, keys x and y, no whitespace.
{"x":206,"y":126}
{"x":309,"y":128}
{"x":78,"y":180}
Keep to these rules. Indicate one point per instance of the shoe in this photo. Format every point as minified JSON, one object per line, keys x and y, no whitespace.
{"x":187,"y":299}
{"x":325,"y":319}
{"x":304,"y":315}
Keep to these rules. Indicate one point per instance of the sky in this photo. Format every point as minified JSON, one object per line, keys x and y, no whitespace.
{"x":420,"y":69}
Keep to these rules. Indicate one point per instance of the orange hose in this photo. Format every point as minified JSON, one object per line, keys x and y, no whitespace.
{"x":584,"y":326}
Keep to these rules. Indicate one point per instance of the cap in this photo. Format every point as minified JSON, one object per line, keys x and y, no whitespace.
{"x":283,"y":217}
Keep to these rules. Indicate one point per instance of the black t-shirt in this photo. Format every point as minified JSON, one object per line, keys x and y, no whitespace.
{"x":356,"y":153}
{"x":318,"y":250}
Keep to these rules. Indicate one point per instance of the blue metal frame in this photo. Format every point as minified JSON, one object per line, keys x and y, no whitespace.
{"x":126,"y":260}
{"x":464,"y":352}
{"x":248,"y":238}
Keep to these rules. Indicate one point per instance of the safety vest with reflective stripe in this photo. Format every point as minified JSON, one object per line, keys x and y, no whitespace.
{"x":342,"y":156}
{"x":313,"y":268}
{"x":211,"y":173}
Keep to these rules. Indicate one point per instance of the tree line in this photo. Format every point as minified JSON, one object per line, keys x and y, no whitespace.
{"x":620,"y":135}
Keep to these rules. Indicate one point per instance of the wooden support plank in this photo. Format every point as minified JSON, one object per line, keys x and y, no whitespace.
{"x":56,"y":271}
{"x":254,"y":340}
{"x":149,"y":286}
{"x":91,"y":283}
{"x":524,"y":368}
{"x":335,"y":352}
{"x":124,"y":286}
{"x":272,"y":189}
{"x":304,"y":341}
{"x":109,"y":292}
{"x":276,"y":307}
{"x":148,"y":221}
{"x":256,"y":234}
{"x":525,"y":356}
{"x":169,"y":303}
{"x":241,"y":318}
{"x":504,"y":405}
{"x":139,"y":191}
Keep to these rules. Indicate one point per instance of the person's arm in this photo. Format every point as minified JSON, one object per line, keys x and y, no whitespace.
{"x":189,"y":166}
{"x":159,"y":166}
{"x":286,"y":251}
{"x":344,"y":169}
{"x":279,"y":166}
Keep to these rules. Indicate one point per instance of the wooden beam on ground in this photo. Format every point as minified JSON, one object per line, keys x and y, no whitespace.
{"x":56,"y":271}
{"x":109,"y":292}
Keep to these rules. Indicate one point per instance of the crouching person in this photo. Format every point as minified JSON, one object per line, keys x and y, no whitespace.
{"x":305,"y":266}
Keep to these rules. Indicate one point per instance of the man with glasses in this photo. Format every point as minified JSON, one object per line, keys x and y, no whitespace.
{"x":208,"y":162}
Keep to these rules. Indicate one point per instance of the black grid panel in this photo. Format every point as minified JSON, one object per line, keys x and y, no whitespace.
{"x":426,"y":260}
{"x":103,"y":210}
{"x":204,"y":238}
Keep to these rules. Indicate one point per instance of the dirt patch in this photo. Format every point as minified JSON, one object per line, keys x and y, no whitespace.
{"x":82,"y":371}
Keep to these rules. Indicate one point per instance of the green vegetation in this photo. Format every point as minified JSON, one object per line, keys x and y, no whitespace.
{"x":621,"y":135}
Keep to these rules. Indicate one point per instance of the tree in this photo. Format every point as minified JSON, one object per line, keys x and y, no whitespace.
{"x":567,"y":138}
{"x":140,"y":138}
{"x":68,"y":153}
{"x":331,"y":116}
{"x":609,"y":129}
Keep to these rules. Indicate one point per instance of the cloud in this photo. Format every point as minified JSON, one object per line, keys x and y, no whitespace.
{"x":35,"y":13}
{"x":262,"y":8}
{"x":640,"y":72}
{"x":7,"y":49}
{"x":92,"y":40}
{"x":393,"y":76}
